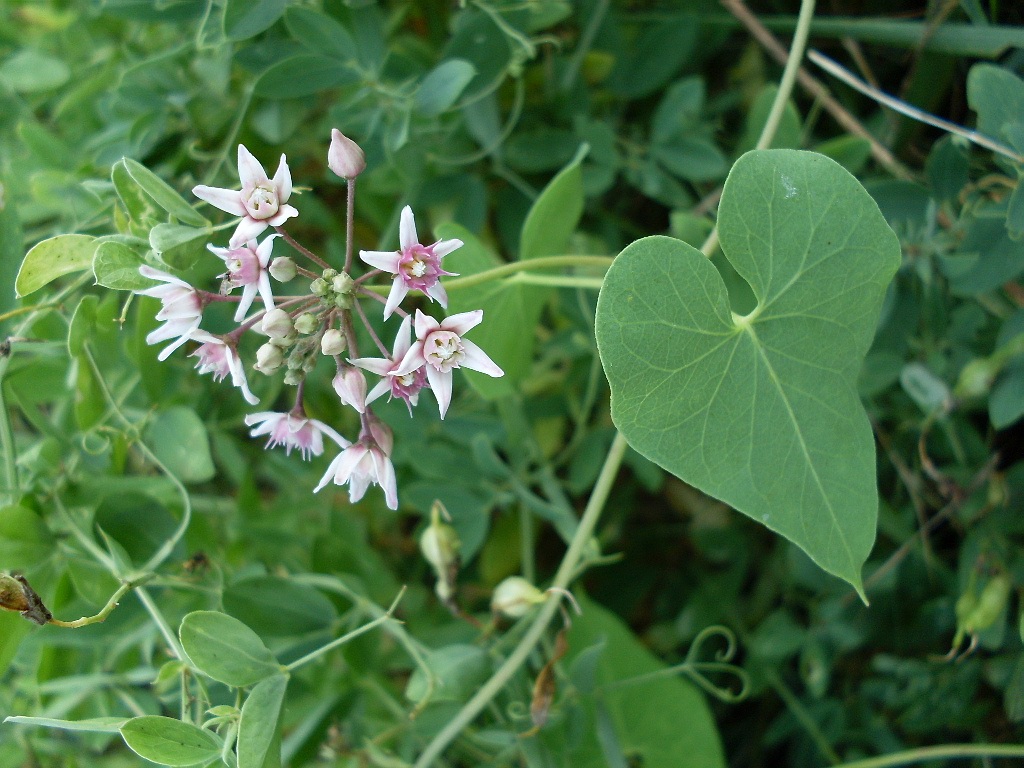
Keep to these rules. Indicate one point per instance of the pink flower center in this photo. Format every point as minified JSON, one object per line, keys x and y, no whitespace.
{"x":443,"y":350}
{"x":419,"y":267}
{"x":243,"y":266}
{"x":409,"y":385}
{"x":261,"y":202}
{"x":213,"y":358}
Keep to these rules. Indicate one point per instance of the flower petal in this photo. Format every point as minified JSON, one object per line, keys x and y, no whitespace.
{"x":283,"y":181}
{"x":284,"y":213}
{"x":437,"y":291}
{"x":399,"y":290}
{"x":386,"y":260}
{"x":383,"y":387}
{"x":407,"y":229}
{"x":248,"y":296}
{"x":266,"y":292}
{"x":425,"y":324}
{"x":477,"y":360}
{"x":248,"y":229}
{"x":250,"y":170}
{"x":265,"y":249}
{"x":228,"y":200}
{"x":441,"y":384}
{"x":413,"y":359}
{"x":329,"y":431}
{"x":462,"y":322}
{"x":379,"y":365}
{"x":443,"y":247}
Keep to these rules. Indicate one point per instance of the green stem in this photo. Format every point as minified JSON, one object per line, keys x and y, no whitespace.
{"x":947,"y":751}
{"x":347,"y":637}
{"x":789,"y":73}
{"x":104,"y":612}
{"x":165,"y":629}
{"x":557,"y":281}
{"x":561,"y":581}
{"x":546,"y":262}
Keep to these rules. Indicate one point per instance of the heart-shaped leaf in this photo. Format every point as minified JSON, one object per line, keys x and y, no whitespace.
{"x":761,"y":411}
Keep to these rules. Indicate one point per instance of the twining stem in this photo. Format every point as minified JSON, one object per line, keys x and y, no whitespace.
{"x":546,"y":612}
{"x":923,"y":754}
{"x":789,"y":73}
{"x":349,"y":636}
{"x":105,"y":611}
{"x":546,"y":262}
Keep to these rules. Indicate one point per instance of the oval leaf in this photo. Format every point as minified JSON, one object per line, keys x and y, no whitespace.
{"x":258,"y":724}
{"x":166,"y":741}
{"x":180,"y":440}
{"x":247,"y":18}
{"x":163,"y":194}
{"x":442,"y":86}
{"x":116,"y":266}
{"x":226,"y":650}
{"x":301,"y":75}
{"x":278,"y":607}
{"x":761,"y":411}
{"x":53,"y":258}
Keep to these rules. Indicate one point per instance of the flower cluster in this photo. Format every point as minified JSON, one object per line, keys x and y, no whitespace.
{"x":323,"y":321}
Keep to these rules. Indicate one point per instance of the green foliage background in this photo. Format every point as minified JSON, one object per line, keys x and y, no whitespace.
{"x":467,"y":112}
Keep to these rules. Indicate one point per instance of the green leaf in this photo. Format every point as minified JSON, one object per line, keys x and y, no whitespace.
{"x":787,"y":135}
{"x":639,"y":73}
{"x":11,"y":251}
{"x":693,"y":158}
{"x":178,"y":246}
{"x":25,"y":541}
{"x":226,"y":650}
{"x":258,"y":724}
{"x":761,"y":411}
{"x":136,"y":202}
{"x":664,"y":721}
{"x":279,"y":607}
{"x":302,"y":75}
{"x":247,"y":18}
{"x":115,"y":265}
{"x":163,"y":194}
{"x":320,"y":33}
{"x":554,"y":215}
{"x":459,"y":671}
{"x":442,"y":86}
{"x":166,"y":741}
{"x":997,"y":95}
{"x":92,"y":725}
{"x":30,"y":71}
{"x":53,"y":258}
{"x":180,"y":441}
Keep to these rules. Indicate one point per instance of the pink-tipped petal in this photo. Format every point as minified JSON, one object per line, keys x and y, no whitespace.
{"x":424,"y":324}
{"x":265,"y":249}
{"x":463,"y":322}
{"x":413,"y":359}
{"x":248,"y":229}
{"x":228,"y":200}
{"x":283,"y":181}
{"x":250,"y":170}
{"x":330,"y":473}
{"x":477,"y":360}
{"x":399,"y":290}
{"x":443,"y":247}
{"x":284,"y":213}
{"x":441,"y":384}
{"x":386,"y":480}
{"x":386,"y":260}
{"x":382,"y":388}
{"x":378,"y":365}
{"x":402,"y":339}
{"x":266,"y":292}
{"x":407,"y":229}
{"x":437,"y":291}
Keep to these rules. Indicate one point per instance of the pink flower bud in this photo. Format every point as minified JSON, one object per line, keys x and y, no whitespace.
{"x":350,"y":384}
{"x":345,"y":157}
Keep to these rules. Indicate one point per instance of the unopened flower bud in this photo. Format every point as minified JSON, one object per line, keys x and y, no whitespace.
{"x":277,"y":324}
{"x":307,"y":322}
{"x":343,"y":300}
{"x":382,"y":435}
{"x":440,"y":545}
{"x":294,"y":378}
{"x":515,"y":596}
{"x":332,"y":342}
{"x":976,"y":378}
{"x":329,"y":274}
{"x":269,"y":358}
{"x":345,"y":157}
{"x":342,"y":283}
{"x":12,"y":596}
{"x":319,"y":287}
{"x":282,"y":269}
{"x":350,"y":384}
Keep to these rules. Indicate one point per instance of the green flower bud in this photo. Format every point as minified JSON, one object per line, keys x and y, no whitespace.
{"x":332,"y":342}
{"x":976,"y":378}
{"x":294,"y":378}
{"x":282,"y":269}
{"x":329,"y":274}
{"x":269,"y":358}
{"x":277,"y":324}
{"x":342,"y":283}
{"x":515,"y":596}
{"x":343,"y":300}
{"x":319,"y":287}
{"x":306,"y":323}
